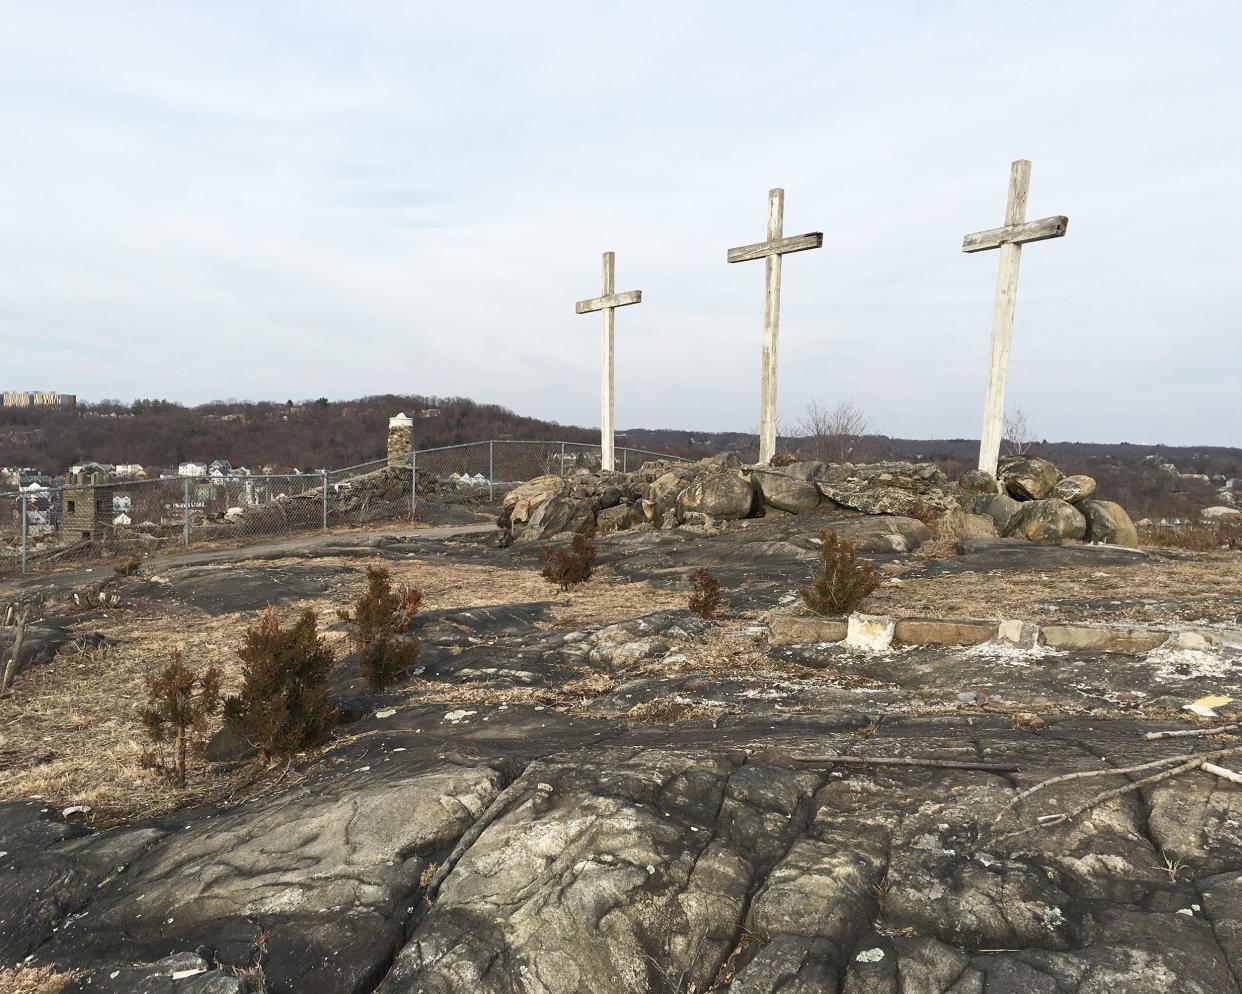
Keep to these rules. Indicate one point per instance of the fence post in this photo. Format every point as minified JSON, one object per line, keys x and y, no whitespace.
{"x":491,"y":470}
{"x":22,"y":497}
{"x":625,"y":460}
{"x":185,"y":504}
{"x":325,"y":499}
{"x":413,"y":482}
{"x":562,"y":460}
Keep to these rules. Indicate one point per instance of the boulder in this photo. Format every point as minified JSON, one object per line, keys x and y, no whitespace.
{"x":804,"y":470}
{"x":1108,"y":523}
{"x":963,"y":524}
{"x":1005,"y":511}
{"x":726,"y":496}
{"x":1029,"y":477}
{"x":1075,"y":488}
{"x":613,"y":519}
{"x":1220,"y":513}
{"x":873,"y":498}
{"x":786,"y":493}
{"x":978,"y":481}
{"x":721,"y":462}
{"x":1052,"y":522}
{"x":522,"y":501}
{"x":556,"y":515}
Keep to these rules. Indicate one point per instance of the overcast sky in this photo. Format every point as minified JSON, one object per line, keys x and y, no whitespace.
{"x":272,"y":200}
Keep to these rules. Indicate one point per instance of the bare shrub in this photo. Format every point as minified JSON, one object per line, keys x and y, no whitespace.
{"x":782,"y":459}
{"x":127,"y":566}
{"x":377,"y":627}
{"x":285,"y":704}
{"x":835,"y":433}
{"x":569,"y":568}
{"x":1202,"y":536}
{"x":179,"y":702}
{"x":1017,"y":434}
{"x":704,"y":593}
{"x":843,"y":582}
{"x":22,"y":979}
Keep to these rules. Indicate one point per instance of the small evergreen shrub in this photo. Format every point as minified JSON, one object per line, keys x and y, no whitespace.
{"x":285,"y":704}
{"x":377,"y":623}
{"x":569,"y":568}
{"x":704,"y":593}
{"x":179,"y":702}
{"x":843,"y":582}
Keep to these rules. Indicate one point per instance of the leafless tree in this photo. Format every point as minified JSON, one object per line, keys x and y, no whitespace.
{"x":1017,"y":434}
{"x":834,"y":433}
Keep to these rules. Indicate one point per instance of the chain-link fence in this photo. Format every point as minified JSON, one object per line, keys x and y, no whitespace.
{"x":45,"y":528}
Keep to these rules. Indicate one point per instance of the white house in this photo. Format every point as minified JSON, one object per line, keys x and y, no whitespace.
{"x":129,"y":470}
{"x":194,"y":470}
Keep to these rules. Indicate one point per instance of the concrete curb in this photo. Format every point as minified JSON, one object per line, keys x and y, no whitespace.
{"x":876,"y":632}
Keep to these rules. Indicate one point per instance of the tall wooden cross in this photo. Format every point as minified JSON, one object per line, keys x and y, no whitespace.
{"x":608,"y":303}
{"x":1009,"y":240}
{"x":770,"y":252}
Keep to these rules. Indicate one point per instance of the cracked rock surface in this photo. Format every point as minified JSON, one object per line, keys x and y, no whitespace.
{"x":746,"y":840}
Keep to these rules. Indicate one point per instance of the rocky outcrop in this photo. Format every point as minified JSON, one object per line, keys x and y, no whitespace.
{"x":1075,"y":488}
{"x":725,"y":496}
{"x":787,"y":493}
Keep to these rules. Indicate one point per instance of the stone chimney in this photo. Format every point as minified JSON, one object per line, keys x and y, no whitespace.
{"x":400,"y":440}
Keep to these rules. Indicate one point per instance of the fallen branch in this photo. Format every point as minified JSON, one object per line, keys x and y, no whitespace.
{"x":1220,"y":771}
{"x":1186,"y":733}
{"x":940,"y":764}
{"x":1048,"y":821}
{"x":1201,"y":757}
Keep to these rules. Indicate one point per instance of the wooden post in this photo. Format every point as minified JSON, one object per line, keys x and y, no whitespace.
{"x":771,"y":251}
{"x":1009,"y":239}
{"x":608,"y":303}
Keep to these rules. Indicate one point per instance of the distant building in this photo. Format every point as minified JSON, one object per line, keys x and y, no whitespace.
{"x":130,"y":471}
{"x":38,"y":398}
{"x":194,"y":470}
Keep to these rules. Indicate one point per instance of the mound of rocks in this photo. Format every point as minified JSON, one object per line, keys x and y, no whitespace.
{"x":707,"y":494}
{"x":1030,"y":498}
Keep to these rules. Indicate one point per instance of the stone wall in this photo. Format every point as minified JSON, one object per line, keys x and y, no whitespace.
{"x":400,"y":440}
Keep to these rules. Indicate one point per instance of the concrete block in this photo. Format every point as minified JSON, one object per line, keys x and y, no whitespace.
{"x":937,"y":631}
{"x":1092,"y":638}
{"x":1019,"y":634}
{"x":870,"y":632}
{"x":805,"y":629}
{"x":1195,"y":641}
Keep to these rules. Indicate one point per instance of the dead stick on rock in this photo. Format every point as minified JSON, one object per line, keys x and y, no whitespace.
{"x":1115,"y":771}
{"x":941,"y":764}
{"x":1220,"y":771}
{"x":1186,"y":733}
{"x":1048,"y":821}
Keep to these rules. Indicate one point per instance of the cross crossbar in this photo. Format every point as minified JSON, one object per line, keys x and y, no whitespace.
{"x":1016,"y":234}
{"x":776,"y":246}
{"x":608,"y":300}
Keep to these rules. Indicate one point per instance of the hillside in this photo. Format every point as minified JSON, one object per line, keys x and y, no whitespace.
{"x":321,"y":433}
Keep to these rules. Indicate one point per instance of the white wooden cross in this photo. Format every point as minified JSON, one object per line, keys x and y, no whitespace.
{"x":1009,"y":240}
{"x":608,"y":303}
{"x":770,"y":252}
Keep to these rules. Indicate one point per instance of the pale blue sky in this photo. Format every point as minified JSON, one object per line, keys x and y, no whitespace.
{"x":302,"y":199}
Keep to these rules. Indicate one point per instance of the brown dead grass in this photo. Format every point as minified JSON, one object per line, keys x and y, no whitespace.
{"x":676,"y":707}
{"x":32,"y":980}
{"x":1207,"y":588}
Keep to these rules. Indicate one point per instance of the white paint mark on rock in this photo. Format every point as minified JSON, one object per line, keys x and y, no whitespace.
{"x":870,"y":955}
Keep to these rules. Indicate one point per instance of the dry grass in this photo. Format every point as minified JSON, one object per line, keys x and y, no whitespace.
{"x":1207,"y":588}
{"x":32,"y":980}
{"x":676,"y":707}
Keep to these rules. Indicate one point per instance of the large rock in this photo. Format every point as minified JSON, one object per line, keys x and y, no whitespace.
{"x":978,"y":481}
{"x":809,"y":470}
{"x":787,"y":493}
{"x":1075,"y":488}
{"x":1109,"y":523}
{"x":557,"y":515}
{"x":726,"y":496}
{"x":1005,"y":511}
{"x":1029,"y":477}
{"x":1052,"y":522}
{"x":1220,"y":513}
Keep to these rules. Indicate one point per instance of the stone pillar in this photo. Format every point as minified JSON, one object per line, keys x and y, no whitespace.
{"x":400,"y":440}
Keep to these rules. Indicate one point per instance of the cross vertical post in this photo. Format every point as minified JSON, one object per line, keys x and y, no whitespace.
{"x":608,"y":303}
{"x":25,"y":525}
{"x":1009,"y":239}
{"x":771,"y":251}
